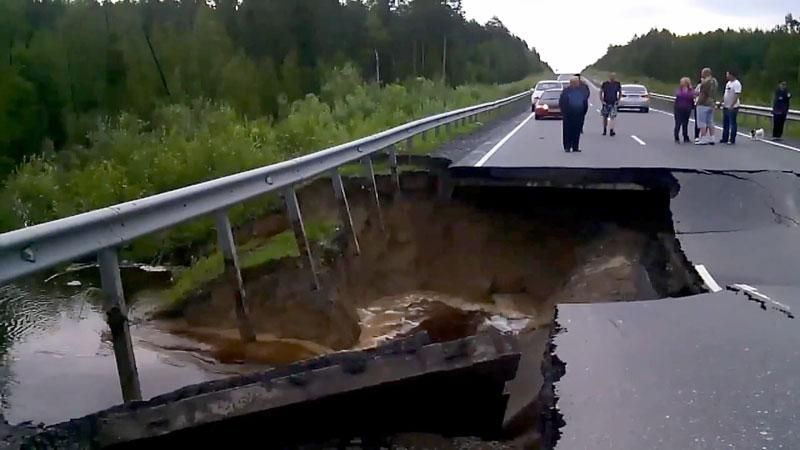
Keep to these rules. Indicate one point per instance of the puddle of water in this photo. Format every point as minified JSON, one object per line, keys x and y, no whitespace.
{"x":57,"y":362}
{"x":442,"y":316}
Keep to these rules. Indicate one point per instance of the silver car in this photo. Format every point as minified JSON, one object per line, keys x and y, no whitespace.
{"x":634,"y":96}
{"x":540,"y":89}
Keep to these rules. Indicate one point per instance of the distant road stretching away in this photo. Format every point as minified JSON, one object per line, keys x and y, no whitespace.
{"x":642,"y":141}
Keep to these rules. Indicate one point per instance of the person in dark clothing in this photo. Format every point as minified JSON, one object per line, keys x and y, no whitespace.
{"x":684,"y":104}
{"x":780,"y":109}
{"x":610,"y":94}
{"x":573,"y":103}
{"x":588,"y":93}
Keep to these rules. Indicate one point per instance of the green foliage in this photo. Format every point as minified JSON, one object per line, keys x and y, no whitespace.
{"x":762,"y":58}
{"x":132,"y":157}
{"x":65,"y":65}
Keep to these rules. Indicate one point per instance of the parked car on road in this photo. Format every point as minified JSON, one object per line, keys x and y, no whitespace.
{"x":540,"y":88}
{"x":547,"y":106}
{"x":634,"y":96}
{"x":565,"y":76}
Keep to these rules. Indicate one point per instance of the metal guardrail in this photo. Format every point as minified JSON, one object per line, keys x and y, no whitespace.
{"x":102,"y":232}
{"x":752,"y":110}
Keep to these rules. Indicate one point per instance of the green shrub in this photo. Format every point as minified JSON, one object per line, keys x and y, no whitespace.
{"x":182,"y":144}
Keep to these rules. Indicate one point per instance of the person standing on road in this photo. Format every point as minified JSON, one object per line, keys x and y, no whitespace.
{"x":574,"y":104}
{"x":780,"y":109}
{"x":587,"y":93}
{"x":730,"y":108}
{"x":610,"y":93}
{"x":706,"y":102}
{"x":684,"y":104}
{"x":696,"y":93}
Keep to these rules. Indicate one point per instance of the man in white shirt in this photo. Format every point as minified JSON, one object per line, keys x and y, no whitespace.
{"x":730,"y":108}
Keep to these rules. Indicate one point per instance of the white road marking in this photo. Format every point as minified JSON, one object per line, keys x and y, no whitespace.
{"x":707,"y":278}
{"x":773,"y":143}
{"x":776,"y":144}
{"x":758,"y":295}
{"x":502,"y":142}
{"x":598,"y":111}
{"x":665,"y":113}
{"x":636,"y":138}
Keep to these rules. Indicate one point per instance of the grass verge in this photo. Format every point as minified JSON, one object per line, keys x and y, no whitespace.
{"x":254,"y":253}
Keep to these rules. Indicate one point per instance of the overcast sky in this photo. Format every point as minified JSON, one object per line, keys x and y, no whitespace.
{"x":570,"y":41}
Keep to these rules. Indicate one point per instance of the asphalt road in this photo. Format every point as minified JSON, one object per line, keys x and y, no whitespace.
{"x":714,"y":371}
{"x":642,"y":141}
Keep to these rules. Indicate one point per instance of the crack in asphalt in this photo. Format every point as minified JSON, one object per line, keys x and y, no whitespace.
{"x":763,"y":300}
{"x":696,"y":233}
{"x":780,"y":218}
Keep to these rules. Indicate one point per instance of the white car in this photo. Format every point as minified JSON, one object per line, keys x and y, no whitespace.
{"x":634,"y":96}
{"x":542,"y":86}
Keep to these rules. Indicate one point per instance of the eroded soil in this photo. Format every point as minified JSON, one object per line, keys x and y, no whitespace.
{"x":499,"y":257}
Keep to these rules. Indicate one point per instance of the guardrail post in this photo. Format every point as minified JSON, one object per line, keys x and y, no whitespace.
{"x":344,"y":208}
{"x":395,"y":169}
{"x":299,"y":229}
{"x":234,"y":275}
{"x":374,"y":186}
{"x":117,"y":318}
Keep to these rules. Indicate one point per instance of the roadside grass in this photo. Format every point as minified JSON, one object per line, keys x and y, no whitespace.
{"x":254,"y":253}
{"x":745,"y":122}
{"x":182,"y":144}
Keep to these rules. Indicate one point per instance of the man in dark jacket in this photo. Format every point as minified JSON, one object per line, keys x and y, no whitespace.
{"x":780,"y":109}
{"x":588,"y":93}
{"x":573,"y":104}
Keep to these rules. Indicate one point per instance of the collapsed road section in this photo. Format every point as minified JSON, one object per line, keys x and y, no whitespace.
{"x":454,"y":388}
{"x":452,"y":269}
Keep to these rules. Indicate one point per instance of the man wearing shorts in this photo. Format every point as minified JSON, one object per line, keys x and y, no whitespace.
{"x":706,"y":102}
{"x":610,"y":93}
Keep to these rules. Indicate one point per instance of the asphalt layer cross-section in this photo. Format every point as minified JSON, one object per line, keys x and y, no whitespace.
{"x":714,"y":371}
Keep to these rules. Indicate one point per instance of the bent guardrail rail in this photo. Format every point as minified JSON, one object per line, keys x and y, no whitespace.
{"x":104,"y":231}
{"x":752,"y":110}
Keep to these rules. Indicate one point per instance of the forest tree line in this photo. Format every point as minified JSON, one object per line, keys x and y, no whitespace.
{"x":761,"y":58}
{"x":66,"y":64}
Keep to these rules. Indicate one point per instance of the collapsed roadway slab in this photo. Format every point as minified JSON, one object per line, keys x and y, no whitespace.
{"x":454,"y":388}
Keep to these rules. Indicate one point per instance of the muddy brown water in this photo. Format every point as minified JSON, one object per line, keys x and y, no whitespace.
{"x":490,"y":257}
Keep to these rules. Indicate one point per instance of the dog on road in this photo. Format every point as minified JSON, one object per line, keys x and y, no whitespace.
{"x":757,"y":134}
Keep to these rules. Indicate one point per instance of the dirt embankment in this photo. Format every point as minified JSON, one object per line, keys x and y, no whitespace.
{"x":489,"y":256}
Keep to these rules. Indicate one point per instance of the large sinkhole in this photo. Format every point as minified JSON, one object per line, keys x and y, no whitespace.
{"x":507,"y":254}
{"x":499,"y":257}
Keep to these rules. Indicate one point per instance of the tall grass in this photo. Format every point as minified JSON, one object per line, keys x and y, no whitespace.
{"x":128,"y":157}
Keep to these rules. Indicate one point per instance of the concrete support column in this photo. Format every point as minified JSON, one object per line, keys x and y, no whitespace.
{"x":395,"y":169}
{"x":233,"y":275}
{"x":344,"y":209}
{"x":374,"y":187}
{"x":299,"y":229}
{"x":117,"y":318}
